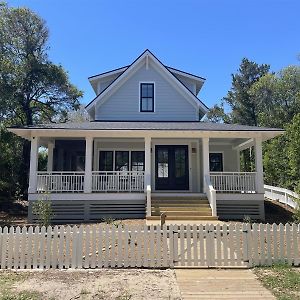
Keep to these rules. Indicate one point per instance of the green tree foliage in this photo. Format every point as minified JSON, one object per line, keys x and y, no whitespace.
{"x":32,"y":88}
{"x":258,"y":97}
{"x":244,"y":108}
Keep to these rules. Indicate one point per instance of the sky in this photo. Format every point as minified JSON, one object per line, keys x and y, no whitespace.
{"x":208,"y":38}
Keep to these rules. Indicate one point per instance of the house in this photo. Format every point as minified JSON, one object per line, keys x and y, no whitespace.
{"x":145,"y":152}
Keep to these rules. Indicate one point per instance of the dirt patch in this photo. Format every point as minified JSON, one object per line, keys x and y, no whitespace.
{"x":102,"y":284}
{"x":277,"y":213}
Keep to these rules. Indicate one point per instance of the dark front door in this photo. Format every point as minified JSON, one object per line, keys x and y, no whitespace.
{"x":171,"y":167}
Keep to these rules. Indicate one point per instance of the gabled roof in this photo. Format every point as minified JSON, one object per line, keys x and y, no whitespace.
{"x":131,"y":67}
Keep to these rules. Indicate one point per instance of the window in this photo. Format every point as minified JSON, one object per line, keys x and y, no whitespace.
{"x":106,"y":161}
{"x":147,"y":97}
{"x":216,"y":162}
{"x":137,"y":160}
{"x":122,"y":161}
{"x":163,"y":163}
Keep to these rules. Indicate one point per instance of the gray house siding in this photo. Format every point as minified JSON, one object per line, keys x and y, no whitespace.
{"x":123,"y":104}
{"x":187,"y":82}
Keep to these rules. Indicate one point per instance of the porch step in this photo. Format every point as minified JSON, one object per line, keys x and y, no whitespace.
{"x":176,"y":197}
{"x":184,"y":218}
{"x":181,"y":208}
{"x":178,"y":202}
{"x":195,"y":208}
{"x":182,"y":213}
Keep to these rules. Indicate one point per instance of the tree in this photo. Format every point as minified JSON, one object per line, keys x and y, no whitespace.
{"x":32,"y":88}
{"x":244,"y":107}
{"x":279,"y":97}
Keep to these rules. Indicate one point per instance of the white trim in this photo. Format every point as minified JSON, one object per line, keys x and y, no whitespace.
{"x":198,"y":187}
{"x":259,"y":165}
{"x":107,"y":74}
{"x":133,"y":133}
{"x":91,"y":196}
{"x":190,"y":166}
{"x":205,"y":161}
{"x":184,"y":74}
{"x":154,"y":98}
{"x":33,"y":165}
{"x":242,"y":146}
{"x":240,"y":197}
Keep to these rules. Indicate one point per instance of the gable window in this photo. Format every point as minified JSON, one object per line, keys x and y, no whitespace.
{"x":216,"y":162}
{"x":147,"y":97}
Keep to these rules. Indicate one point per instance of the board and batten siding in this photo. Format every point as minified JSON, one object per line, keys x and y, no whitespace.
{"x":124,"y":103}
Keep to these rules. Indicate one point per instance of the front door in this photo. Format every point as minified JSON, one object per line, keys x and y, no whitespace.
{"x":171,"y":167}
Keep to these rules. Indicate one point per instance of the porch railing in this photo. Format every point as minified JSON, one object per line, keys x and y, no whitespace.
{"x":234,"y":182}
{"x":118,"y":181}
{"x":58,"y":182}
{"x":211,"y":195}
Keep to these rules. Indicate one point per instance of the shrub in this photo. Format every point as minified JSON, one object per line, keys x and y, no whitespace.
{"x":43,"y":210}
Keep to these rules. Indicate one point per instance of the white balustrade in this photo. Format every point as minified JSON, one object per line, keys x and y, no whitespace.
{"x":211,"y":195}
{"x":58,"y":182}
{"x":118,"y":181}
{"x":234,"y":182}
{"x":282,"y":195}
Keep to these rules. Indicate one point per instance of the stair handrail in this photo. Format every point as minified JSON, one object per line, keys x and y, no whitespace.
{"x":211,"y":195}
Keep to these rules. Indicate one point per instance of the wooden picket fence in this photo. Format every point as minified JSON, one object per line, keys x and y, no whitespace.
{"x":108,"y":246}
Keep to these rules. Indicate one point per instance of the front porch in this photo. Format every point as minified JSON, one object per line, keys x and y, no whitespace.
{"x":94,"y":178}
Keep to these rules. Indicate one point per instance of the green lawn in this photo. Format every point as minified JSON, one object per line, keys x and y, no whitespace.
{"x":281,"y":280}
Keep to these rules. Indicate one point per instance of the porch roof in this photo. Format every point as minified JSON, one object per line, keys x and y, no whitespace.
{"x":141,"y":128}
{"x":141,"y":125}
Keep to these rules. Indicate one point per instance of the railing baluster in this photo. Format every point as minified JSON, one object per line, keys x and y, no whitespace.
{"x":233,"y":181}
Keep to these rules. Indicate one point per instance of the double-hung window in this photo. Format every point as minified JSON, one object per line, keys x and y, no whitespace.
{"x":216,"y":162}
{"x":147,"y":97}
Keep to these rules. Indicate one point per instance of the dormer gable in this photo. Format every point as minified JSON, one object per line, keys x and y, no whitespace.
{"x":181,"y":87}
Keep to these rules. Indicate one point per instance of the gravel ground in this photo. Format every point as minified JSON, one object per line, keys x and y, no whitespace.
{"x":101,"y":284}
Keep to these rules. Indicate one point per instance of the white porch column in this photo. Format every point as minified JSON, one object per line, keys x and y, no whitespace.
{"x":147,"y":176}
{"x":33,"y":165}
{"x":88,"y":164}
{"x":259,"y":165}
{"x":50,"y":156}
{"x":205,"y":158}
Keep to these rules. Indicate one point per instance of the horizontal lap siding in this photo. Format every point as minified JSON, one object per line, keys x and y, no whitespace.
{"x":66,"y":211}
{"x":230,"y":160}
{"x":239,"y":209}
{"x":123,"y":104}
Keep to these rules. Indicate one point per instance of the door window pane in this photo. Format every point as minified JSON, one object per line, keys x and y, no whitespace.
{"x":180,"y":163}
{"x":216,"y":162}
{"x":137,"y":160}
{"x":162,"y":163}
{"x":122,"y":161}
{"x":106,"y":161}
